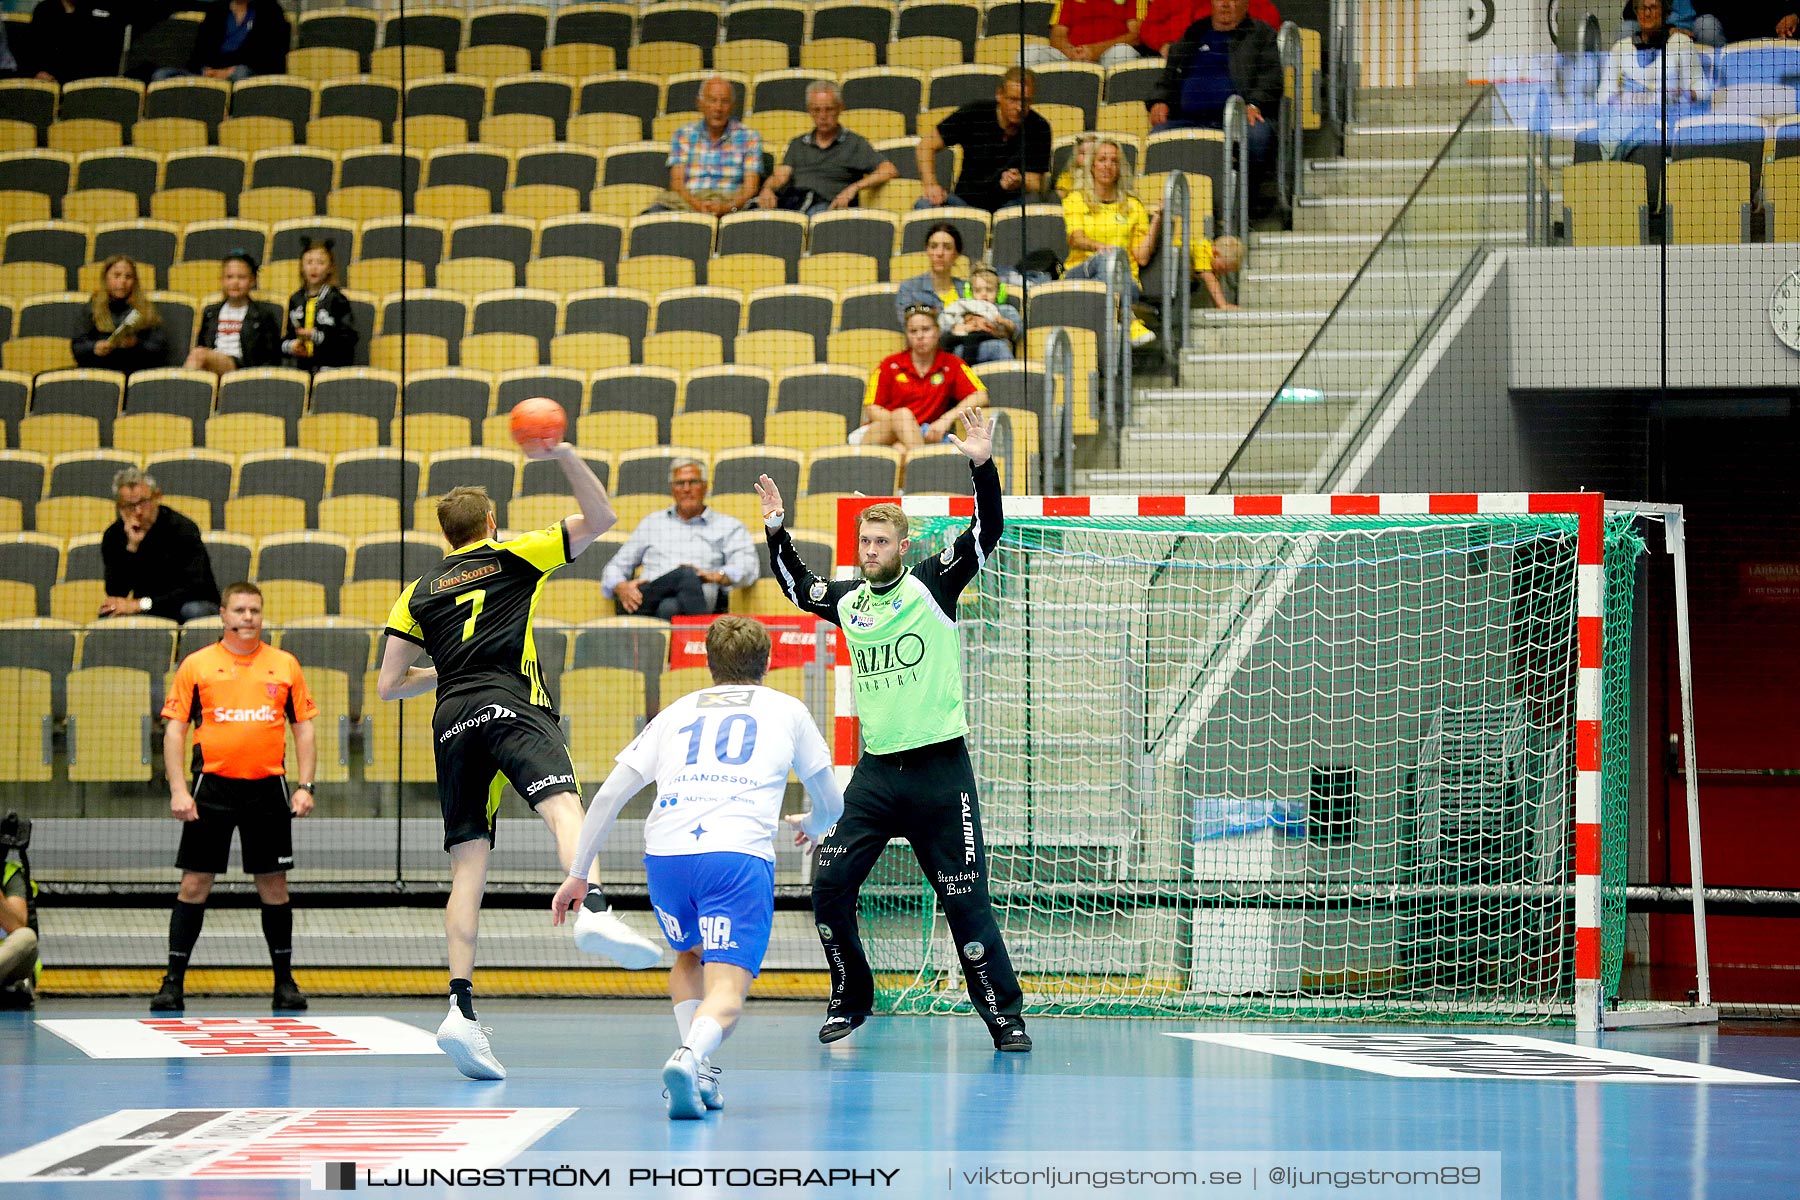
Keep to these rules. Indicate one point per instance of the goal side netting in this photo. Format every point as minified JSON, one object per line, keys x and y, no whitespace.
{"x":1238,"y":760}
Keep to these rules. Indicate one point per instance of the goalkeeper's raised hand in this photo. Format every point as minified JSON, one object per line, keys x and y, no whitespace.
{"x":977,"y":441}
{"x":770,"y":495}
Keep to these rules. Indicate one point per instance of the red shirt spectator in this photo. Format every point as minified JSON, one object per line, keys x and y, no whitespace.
{"x":897,"y":384}
{"x":1167,"y":20}
{"x":1091,"y":21}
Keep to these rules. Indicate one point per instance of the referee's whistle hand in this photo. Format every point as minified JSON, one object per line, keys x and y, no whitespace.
{"x":183,"y":808}
{"x":568,"y":899}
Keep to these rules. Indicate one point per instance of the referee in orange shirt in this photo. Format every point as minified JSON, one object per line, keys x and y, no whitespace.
{"x":238,"y":694}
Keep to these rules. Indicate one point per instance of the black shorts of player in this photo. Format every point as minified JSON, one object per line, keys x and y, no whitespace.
{"x":488,"y":738}
{"x":256,"y":808}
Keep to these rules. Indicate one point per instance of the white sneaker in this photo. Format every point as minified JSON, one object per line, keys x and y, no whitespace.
{"x":467,"y":1045}
{"x":710,"y":1095}
{"x":603,"y":933}
{"x":681,"y":1076}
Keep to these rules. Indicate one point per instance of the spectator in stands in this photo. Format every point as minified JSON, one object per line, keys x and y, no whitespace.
{"x":916,"y":396}
{"x":152,"y":558}
{"x":691,"y":555}
{"x":1633,"y":77}
{"x":76,"y":39}
{"x":826,"y":168}
{"x":938,"y":287}
{"x":979,"y":326}
{"x":1228,"y":53}
{"x":237,"y":331}
{"x":19,"y":966}
{"x":1006,"y":149}
{"x":1106,"y":221}
{"x":237,"y":39}
{"x":1223,"y":256}
{"x":321,"y":329}
{"x":122,"y":331}
{"x":1704,"y":28}
{"x":1167,"y":20}
{"x":9,"y":66}
{"x":1090,"y":31}
{"x":715,"y":163}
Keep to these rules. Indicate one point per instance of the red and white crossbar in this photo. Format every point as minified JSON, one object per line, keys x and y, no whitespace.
{"x":1588,"y":508}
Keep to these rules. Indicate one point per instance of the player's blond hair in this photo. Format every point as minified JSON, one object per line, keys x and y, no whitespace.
{"x":891,"y":514}
{"x":737,"y":650}
{"x":463,"y":515}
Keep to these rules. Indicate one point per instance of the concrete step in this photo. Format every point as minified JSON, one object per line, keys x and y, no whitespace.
{"x":1263,"y":371}
{"x":1424,"y":102}
{"x":1246,"y":331}
{"x":1423,"y":284}
{"x":1383,"y":176}
{"x":1113,"y":481}
{"x":1199,"y":410}
{"x":1374,"y":214}
{"x":1209,"y":450}
{"x":1425,"y":139}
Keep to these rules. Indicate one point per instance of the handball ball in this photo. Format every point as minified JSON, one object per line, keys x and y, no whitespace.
{"x":538,"y":420}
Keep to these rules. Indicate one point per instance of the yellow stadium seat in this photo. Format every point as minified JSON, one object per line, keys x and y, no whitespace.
{"x":604,"y":129}
{"x":655,"y":273}
{"x":429,"y":433}
{"x":109,"y":725}
{"x":625,"y":200}
{"x":396,"y":753}
{"x":71,"y":516}
{"x":260,"y":516}
{"x":426,"y":132}
{"x":12,"y":515}
{"x":330,"y":690}
{"x":563,"y":273}
{"x":711,"y":431}
{"x":81,"y":134}
{"x":779,"y":126}
{"x":541,"y":201}
{"x":341,"y":133}
{"x":499,"y":351}
{"x":776,"y":349}
{"x":1708,"y":201}
{"x":423,"y":352}
{"x":17,"y":600}
{"x":683,"y":349}
{"x":370,"y":600}
{"x":925,"y":53}
{"x":184,"y":206}
{"x":518,"y":131}
{"x":1132,"y":119}
{"x":272,"y":204}
{"x":168,"y":134}
{"x":245,"y":433}
{"x":573,"y":600}
{"x":17,"y":135}
{"x":34,"y":355}
{"x":292,"y":600}
{"x":590,"y":351}
{"x":804,"y":429}
{"x":452,"y":201}
{"x":17,"y":207}
{"x":89,"y":278}
{"x":334,"y":433}
{"x":751,"y":56}
{"x":610,"y":701}
{"x":673,"y":684}
{"x":837,"y":55}
{"x":1084,"y":419}
{"x":492,"y":62}
{"x":194,"y":278}
{"x":881,"y":123}
{"x":895,"y":196}
{"x":746,"y":272}
{"x":363,"y":203}
{"x":319,"y":63}
{"x":1781,"y":199}
{"x":152,"y":433}
{"x":1004,"y":50}
{"x":383,"y":275}
{"x":192,"y":507}
{"x":819,"y":510}
{"x":251,"y":134}
{"x":544,"y":509}
{"x":664,"y":58}
{"x":58,"y":433}
{"x":863,"y":348}
{"x":616,"y":431}
{"x":406,"y":62}
{"x":839,"y":271}
{"x":25,"y":697}
{"x":77,"y":600}
{"x":474,"y":274}
{"x":359,"y":516}
{"x":1603,"y":204}
{"x":95,"y":206}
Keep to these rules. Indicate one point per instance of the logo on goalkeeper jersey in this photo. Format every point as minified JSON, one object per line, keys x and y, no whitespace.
{"x":715,"y":933}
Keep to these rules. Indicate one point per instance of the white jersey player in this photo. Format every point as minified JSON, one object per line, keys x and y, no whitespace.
{"x":720,"y":759}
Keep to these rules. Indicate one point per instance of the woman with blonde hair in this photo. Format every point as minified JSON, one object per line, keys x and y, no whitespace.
{"x":1105,"y":220}
{"x":122,"y":331}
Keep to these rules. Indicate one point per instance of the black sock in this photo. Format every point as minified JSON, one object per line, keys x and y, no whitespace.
{"x":595,"y":901}
{"x":463,"y":992}
{"x":278,"y":931}
{"x":184,"y":931}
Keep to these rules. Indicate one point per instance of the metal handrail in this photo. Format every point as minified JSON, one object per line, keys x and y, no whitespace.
{"x":1236,"y":210}
{"x":1056,"y":424}
{"x":1177,"y":301}
{"x":1341,"y":67}
{"x":1292,"y":125}
{"x":1118,"y":347}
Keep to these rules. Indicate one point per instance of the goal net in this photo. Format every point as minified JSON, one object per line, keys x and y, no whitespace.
{"x":1341,"y":757}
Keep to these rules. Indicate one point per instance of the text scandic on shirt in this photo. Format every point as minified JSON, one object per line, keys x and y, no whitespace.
{"x":262,"y":713}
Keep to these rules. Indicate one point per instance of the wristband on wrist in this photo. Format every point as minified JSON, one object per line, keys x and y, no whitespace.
{"x":306,"y":786}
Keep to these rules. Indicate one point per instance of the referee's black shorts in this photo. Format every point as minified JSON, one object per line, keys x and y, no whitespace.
{"x":256,"y":808}
{"x":484,"y":739}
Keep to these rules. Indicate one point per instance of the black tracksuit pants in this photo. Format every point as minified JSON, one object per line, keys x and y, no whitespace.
{"x":928,"y":797}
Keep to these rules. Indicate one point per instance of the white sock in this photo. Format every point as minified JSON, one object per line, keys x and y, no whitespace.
{"x":704,"y":1037}
{"x":684,"y":1016}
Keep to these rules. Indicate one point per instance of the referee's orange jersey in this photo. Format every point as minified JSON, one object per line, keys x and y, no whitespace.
{"x":896,"y":384}
{"x":239,"y":706}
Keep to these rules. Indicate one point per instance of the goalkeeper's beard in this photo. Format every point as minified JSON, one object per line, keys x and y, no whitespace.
{"x":880,"y":575}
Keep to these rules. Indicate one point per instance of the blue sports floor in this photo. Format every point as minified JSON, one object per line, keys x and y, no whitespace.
{"x":1118,"y":1089}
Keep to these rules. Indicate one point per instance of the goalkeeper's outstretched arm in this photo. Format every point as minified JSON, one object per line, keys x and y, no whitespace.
{"x":803,"y":589}
{"x":949,"y":574}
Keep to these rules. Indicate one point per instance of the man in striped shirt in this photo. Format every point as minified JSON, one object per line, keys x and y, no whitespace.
{"x":715,"y":163}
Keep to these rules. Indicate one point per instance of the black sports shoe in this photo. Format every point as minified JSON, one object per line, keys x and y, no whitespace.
{"x":1013,"y":1040}
{"x":287,"y":997}
{"x":168,"y":998}
{"x":838,"y":1028}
